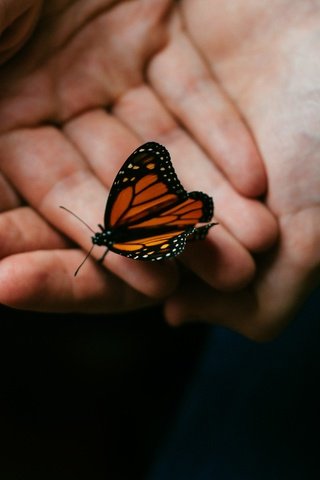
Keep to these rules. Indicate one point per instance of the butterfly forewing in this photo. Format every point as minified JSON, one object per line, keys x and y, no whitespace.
{"x":145,"y":185}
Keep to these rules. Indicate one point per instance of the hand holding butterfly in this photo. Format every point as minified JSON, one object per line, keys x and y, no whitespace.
{"x":76,"y":100}
{"x":265,"y":54}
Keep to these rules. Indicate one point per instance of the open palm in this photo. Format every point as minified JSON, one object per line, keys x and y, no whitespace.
{"x":92,"y":83}
{"x":267,"y":61}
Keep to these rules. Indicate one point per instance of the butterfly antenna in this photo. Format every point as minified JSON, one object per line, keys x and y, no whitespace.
{"x":76,"y":216}
{"x":85,"y":258}
{"x":91,"y":230}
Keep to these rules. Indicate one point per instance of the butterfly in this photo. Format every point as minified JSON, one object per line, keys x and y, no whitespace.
{"x":149,"y":215}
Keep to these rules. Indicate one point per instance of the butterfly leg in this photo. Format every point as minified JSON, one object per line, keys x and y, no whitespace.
{"x":200,"y":233}
{"x":103,"y":256}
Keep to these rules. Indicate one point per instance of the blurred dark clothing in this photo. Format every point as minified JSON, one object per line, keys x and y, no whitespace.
{"x":252,"y":410}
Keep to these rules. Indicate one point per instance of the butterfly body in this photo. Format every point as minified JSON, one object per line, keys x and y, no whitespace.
{"x":149,"y":215}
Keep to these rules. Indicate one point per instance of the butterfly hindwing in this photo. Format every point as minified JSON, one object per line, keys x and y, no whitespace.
{"x":156,"y":247}
{"x":164,"y":235}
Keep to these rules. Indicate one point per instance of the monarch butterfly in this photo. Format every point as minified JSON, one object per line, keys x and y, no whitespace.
{"x":149,"y":215}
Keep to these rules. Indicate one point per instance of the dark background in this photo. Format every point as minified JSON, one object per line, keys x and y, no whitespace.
{"x":89,"y":397}
{"x":127,"y":397}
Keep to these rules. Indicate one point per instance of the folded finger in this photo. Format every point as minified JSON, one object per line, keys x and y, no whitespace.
{"x":44,"y":281}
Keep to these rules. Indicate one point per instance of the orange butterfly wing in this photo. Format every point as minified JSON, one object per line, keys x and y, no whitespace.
{"x":148,"y":213}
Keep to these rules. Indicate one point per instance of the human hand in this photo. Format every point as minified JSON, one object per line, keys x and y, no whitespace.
{"x":70,"y":114}
{"x":265,"y":57}
{"x":45,"y":168}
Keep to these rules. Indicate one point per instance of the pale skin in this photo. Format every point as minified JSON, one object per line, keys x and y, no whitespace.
{"x":80,"y":96}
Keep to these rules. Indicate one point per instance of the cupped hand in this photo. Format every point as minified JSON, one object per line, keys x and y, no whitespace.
{"x":93,"y":82}
{"x":266,"y":58}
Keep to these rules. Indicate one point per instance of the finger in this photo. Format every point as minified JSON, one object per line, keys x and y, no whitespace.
{"x":246,"y":219}
{"x":220,"y":261}
{"x":44,"y":281}
{"x":186,"y":85}
{"x":24,"y":231}
{"x":59,"y":175}
{"x":99,"y":137}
